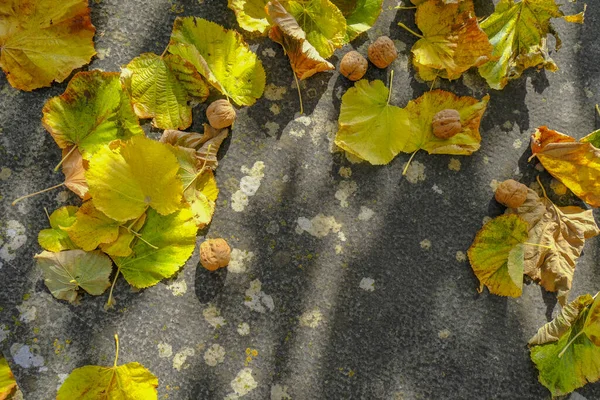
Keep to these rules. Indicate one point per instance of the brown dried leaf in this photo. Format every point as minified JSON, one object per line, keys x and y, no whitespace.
{"x":206,"y":145}
{"x":74,"y":167}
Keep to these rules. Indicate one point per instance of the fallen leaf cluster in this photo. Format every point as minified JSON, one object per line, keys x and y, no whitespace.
{"x":537,"y":238}
{"x":506,"y":43}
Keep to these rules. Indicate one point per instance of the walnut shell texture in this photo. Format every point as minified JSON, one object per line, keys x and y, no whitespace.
{"x":382,"y":52}
{"x":220,"y":114}
{"x":511,"y":193}
{"x":353,"y":65}
{"x":214,"y":254}
{"x":446,"y":123}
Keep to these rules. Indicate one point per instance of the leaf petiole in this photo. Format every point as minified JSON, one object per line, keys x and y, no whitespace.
{"x":111,"y":301}
{"x":408,"y":163}
{"x":400,"y":24}
{"x":299,"y":92}
{"x":570,"y":343}
{"x":538,"y":245}
{"x":36,"y":193}
{"x":117,"y":350}
{"x":391,"y":84}
{"x":65,"y":158}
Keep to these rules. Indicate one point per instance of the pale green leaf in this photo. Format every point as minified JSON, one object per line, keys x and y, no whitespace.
{"x":56,"y":239}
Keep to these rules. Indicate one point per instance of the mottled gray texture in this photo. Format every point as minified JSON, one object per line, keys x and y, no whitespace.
{"x":423,"y":333}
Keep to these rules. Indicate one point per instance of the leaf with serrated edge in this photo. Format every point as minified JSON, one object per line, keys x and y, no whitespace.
{"x":56,"y":238}
{"x":93,"y":111}
{"x":250,"y":14}
{"x":128,"y":177}
{"x":496,"y":255}
{"x":67,"y":271}
{"x":92,"y":227}
{"x":43,"y":40}
{"x":221,"y":56}
{"x":369,"y":127}
{"x":559,"y":234}
{"x":162,"y":88}
{"x":360,"y":15}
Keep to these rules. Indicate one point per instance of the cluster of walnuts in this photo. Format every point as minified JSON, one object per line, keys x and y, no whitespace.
{"x":381,"y":53}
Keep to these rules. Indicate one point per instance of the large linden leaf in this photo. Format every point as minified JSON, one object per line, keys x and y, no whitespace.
{"x":162,"y":88}
{"x":8,"y":383}
{"x":304,"y":58}
{"x":563,"y":352}
{"x":92,"y":227}
{"x":173,"y":239}
{"x":496,"y":255}
{"x":369,"y":127}
{"x":221,"y":56}
{"x":452,"y":41}
{"x":250,"y":14}
{"x":128,"y":177}
{"x":43,"y":41}
{"x":93,"y":111}
{"x":575,"y":164}
{"x":360,"y":15}
{"x":200,"y":186}
{"x":67,"y":271}
{"x":323,"y":22}
{"x":129,"y":381}
{"x":57,"y":239}
{"x":421,"y":112}
{"x":518,"y":31}
{"x":205,"y":146}
{"x":74,"y":166}
{"x":560,"y":234}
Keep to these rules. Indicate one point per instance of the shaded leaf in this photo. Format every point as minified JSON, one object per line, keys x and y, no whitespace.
{"x":174,"y":237}
{"x":57,"y":239}
{"x":304,"y":58}
{"x":250,"y":14}
{"x":206,"y":145}
{"x":74,"y":167}
{"x":67,"y":271}
{"x":562,"y":351}
{"x":221,"y":56}
{"x":518,"y":32}
{"x":121,"y":247}
{"x":369,"y":127}
{"x":421,"y":112}
{"x":162,"y":88}
{"x":93,"y":111}
{"x":43,"y":41}
{"x":560,"y":234}
{"x":92,"y":227}
{"x":452,"y":40}
{"x":496,"y":255}
{"x":575,"y":164}
{"x":360,"y":15}
{"x":323,"y":23}
{"x":128,"y":177}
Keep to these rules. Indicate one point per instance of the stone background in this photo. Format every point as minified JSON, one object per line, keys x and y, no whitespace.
{"x":349,"y":281}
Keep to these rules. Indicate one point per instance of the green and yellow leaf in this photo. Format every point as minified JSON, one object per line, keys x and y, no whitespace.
{"x":221,"y":56}
{"x":43,"y":41}
{"x":162,"y":88}
{"x":92,"y":227}
{"x":56,"y":238}
{"x":67,"y":271}
{"x":360,"y":15}
{"x":8,"y":384}
{"x":93,"y":111}
{"x":497,"y":257}
{"x":250,"y":14}
{"x":128,"y":177}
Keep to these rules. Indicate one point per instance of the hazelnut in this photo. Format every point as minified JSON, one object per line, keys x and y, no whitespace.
{"x":382,"y":52}
{"x":511,"y":193}
{"x":220,"y":114}
{"x":353,"y":65}
{"x":446,"y":123}
{"x":214,"y":254}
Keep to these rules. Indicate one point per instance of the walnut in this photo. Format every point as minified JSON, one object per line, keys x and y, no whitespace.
{"x":214,"y":254}
{"x":382,"y":52}
{"x":511,"y":193}
{"x":446,"y":123}
{"x":220,"y":114}
{"x":353,"y":65}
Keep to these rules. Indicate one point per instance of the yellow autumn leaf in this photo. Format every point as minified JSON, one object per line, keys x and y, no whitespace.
{"x":304,"y":58}
{"x":43,"y":40}
{"x":126,"y":178}
{"x":452,"y":41}
{"x":556,"y":239}
{"x":92,"y":227}
{"x":575,"y":163}
{"x":8,"y":384}
{"x":250,"y":14}
{"x":121,"y":247}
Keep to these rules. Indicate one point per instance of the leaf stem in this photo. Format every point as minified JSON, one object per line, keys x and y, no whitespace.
{"x":400,"y":24}
{"x":199,"y":172}
{"x":47,"y":215}
{"x":299,"y":92}
{"x":117,"y":351}
{"x":391,"y":84}
{"x":110,"y":301}
{"x":405,"y":8}
{"x":432,"y":83}
{"x":36,"y":193}
{"x":570,"y":343}
{"x":542,"y":186}
{"x":408,"y":163}
{"x":538,"y":245}
{"x":65,"y":158}
{"x":598,"y":109}
{"x":139,"y":236}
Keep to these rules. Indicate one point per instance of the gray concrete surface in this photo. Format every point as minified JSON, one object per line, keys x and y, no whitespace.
{"x":382,"y":307}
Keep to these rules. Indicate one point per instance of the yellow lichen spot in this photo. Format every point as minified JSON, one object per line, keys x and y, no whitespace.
{"x":454,"y":164}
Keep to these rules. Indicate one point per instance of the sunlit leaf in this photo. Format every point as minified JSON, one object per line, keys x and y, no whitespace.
{"x":205,"y":146}
{"x":8,"y":384}
{"x":74,"y":167}
{"x":92,"y":227}
{"x":250,"y":14}
{"x":360,"y":15}
{"x":56,"y":239}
